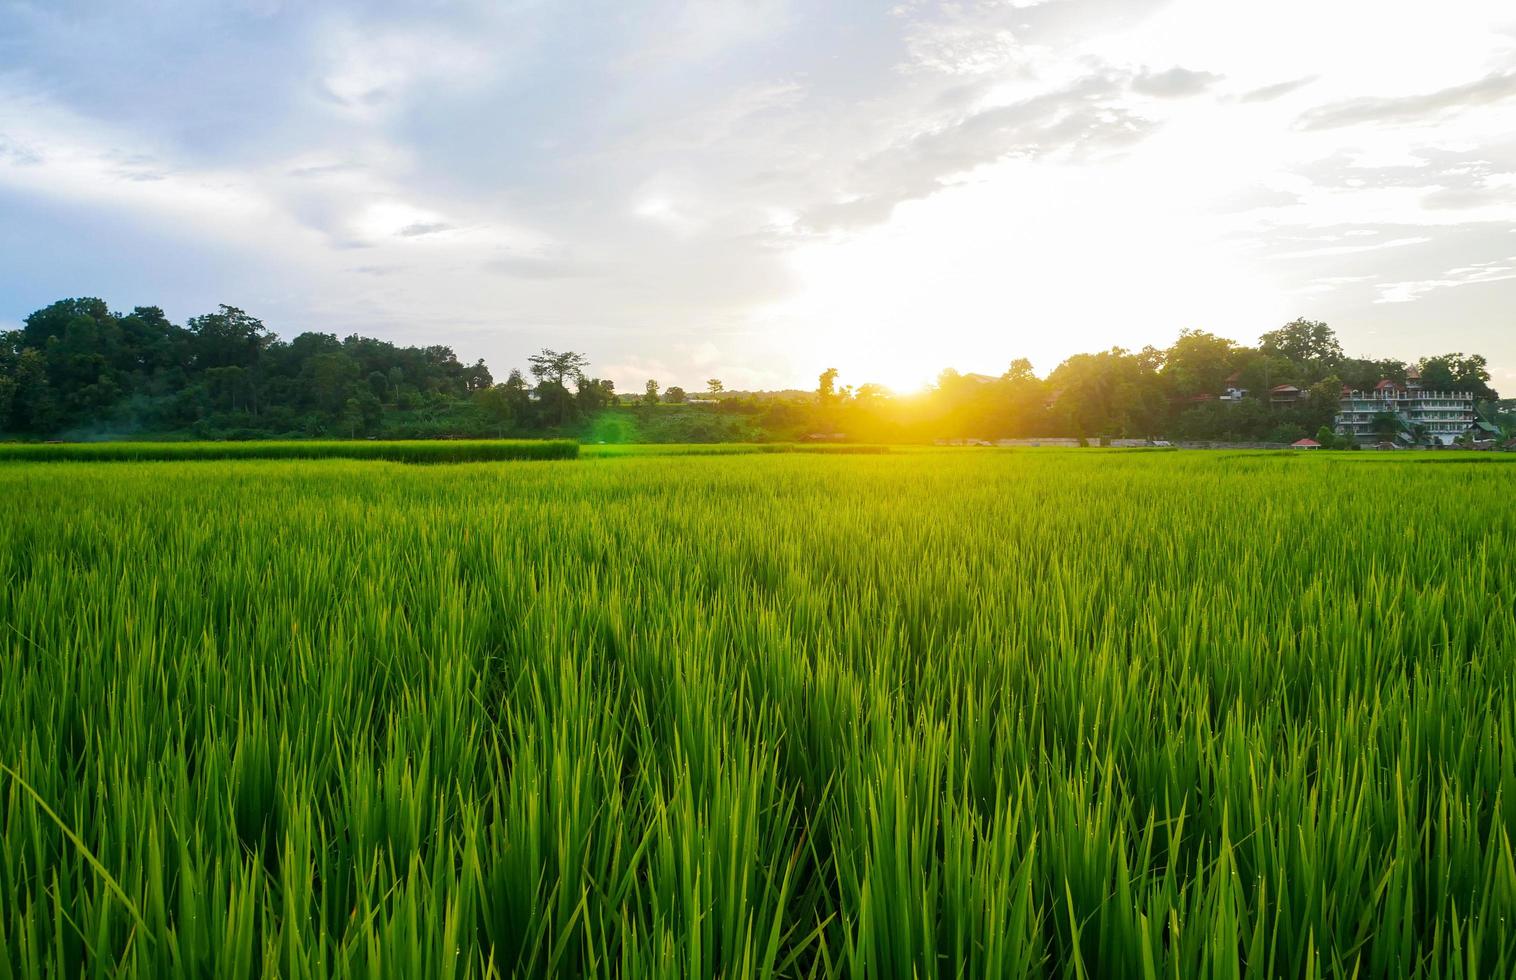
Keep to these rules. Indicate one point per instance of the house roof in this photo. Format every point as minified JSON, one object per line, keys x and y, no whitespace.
{"x":1306,"y":444}
{"x":1284,"y":388}
{"x":1386,"y":383}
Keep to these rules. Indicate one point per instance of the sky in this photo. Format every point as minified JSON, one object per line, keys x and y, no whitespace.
{"x":756,"y":190}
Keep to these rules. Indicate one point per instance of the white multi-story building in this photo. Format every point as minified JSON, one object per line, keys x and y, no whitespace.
{"x":1440,"y":415}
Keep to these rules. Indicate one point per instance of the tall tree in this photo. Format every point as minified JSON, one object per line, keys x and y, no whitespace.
{"x":1304,"y":342}
{"x":1199,"y":363}
{"x":1458,"y":372}
{"x":553,"y":370}
{"x":495,"y":402}
{"x":826,"y":387}
{"x":553,"y":367}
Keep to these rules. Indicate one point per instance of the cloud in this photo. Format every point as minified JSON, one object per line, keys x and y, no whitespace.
{"x":1257,"y":197}
{"x":1278,"y":90}
{"x":1316,"y":253}
{"x":323,"y":170}
{"x":1485,"y":194}
{"x":537,"y":267}
{"x":17,"y":153}
{"x":1415,"y":108}
{"x":1084,"y":120}
{"x":1330,"y":284}
{"x":695,"y":31}
{"x":666,"y":172}
{"x":371,"y":69}
{"x":1176,"y":83}
{"x":420,"y":228}
{"x":962,"y":49}
{"x":1499,"y":270}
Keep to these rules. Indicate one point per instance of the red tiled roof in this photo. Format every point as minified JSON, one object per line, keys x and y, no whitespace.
{"x":1305,"y":443}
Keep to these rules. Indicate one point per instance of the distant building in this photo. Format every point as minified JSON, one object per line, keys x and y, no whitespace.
{"x":1441,"y":416}
{"x":1285,"y":395}
{"x":1305,"y":444}
{"x":1232,"y":392}
{"x":1482,"y":434}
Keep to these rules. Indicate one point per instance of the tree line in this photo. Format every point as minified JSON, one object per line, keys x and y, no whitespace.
{"x":1203,"y":387}
{"x":76,"y":369}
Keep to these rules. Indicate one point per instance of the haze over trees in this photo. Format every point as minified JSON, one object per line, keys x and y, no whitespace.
{"x":78,"y":370}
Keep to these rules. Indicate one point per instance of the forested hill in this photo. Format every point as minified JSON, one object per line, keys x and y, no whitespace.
{"x":77,"y":370}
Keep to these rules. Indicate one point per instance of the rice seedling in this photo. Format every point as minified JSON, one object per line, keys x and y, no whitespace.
{"x":415,"y":451}
{"x":968,"y":714}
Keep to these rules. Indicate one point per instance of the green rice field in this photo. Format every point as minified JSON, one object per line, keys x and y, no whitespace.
{"x":914,"y":714}
{"x":402,"y":451}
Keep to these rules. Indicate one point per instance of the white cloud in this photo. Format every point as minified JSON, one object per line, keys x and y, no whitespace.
{"x":1316,"y":253}
{"x":371,"y":73}
{"x":1503,"y":270}
{"x":699,"y":30}
{"x":756,"y":188}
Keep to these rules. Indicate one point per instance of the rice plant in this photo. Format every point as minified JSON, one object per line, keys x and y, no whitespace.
{"x":960,"y":714}
{"x":414,"y":451}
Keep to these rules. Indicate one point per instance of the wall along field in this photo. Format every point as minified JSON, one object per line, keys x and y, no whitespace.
{"x":939,"y":714}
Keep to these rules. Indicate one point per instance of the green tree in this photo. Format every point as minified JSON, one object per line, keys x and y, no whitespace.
{"x":1387,"y":425}
{"x":1112,"y":393}
{"x":1458,"y":372}
{"x":650,"y":393}
{"x":1198,"y":362}
{"x":557,"y":368}
{"x":34,"y":406}
{"x":228,"y":338}
{"x":553,"y":370}
{"x":495,"y":402}
{"x":826,"y":387}
{"x":594,"y":394}
{"x":328,"y":380}
{"x":674,"y":395}
{"x":517,"y":394}
{"x":10,"y":353}
{"x":477,"y":377}
{"x":714,"y":386}
{"x":1020,"y":372}
{"x":1304,"y":342}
